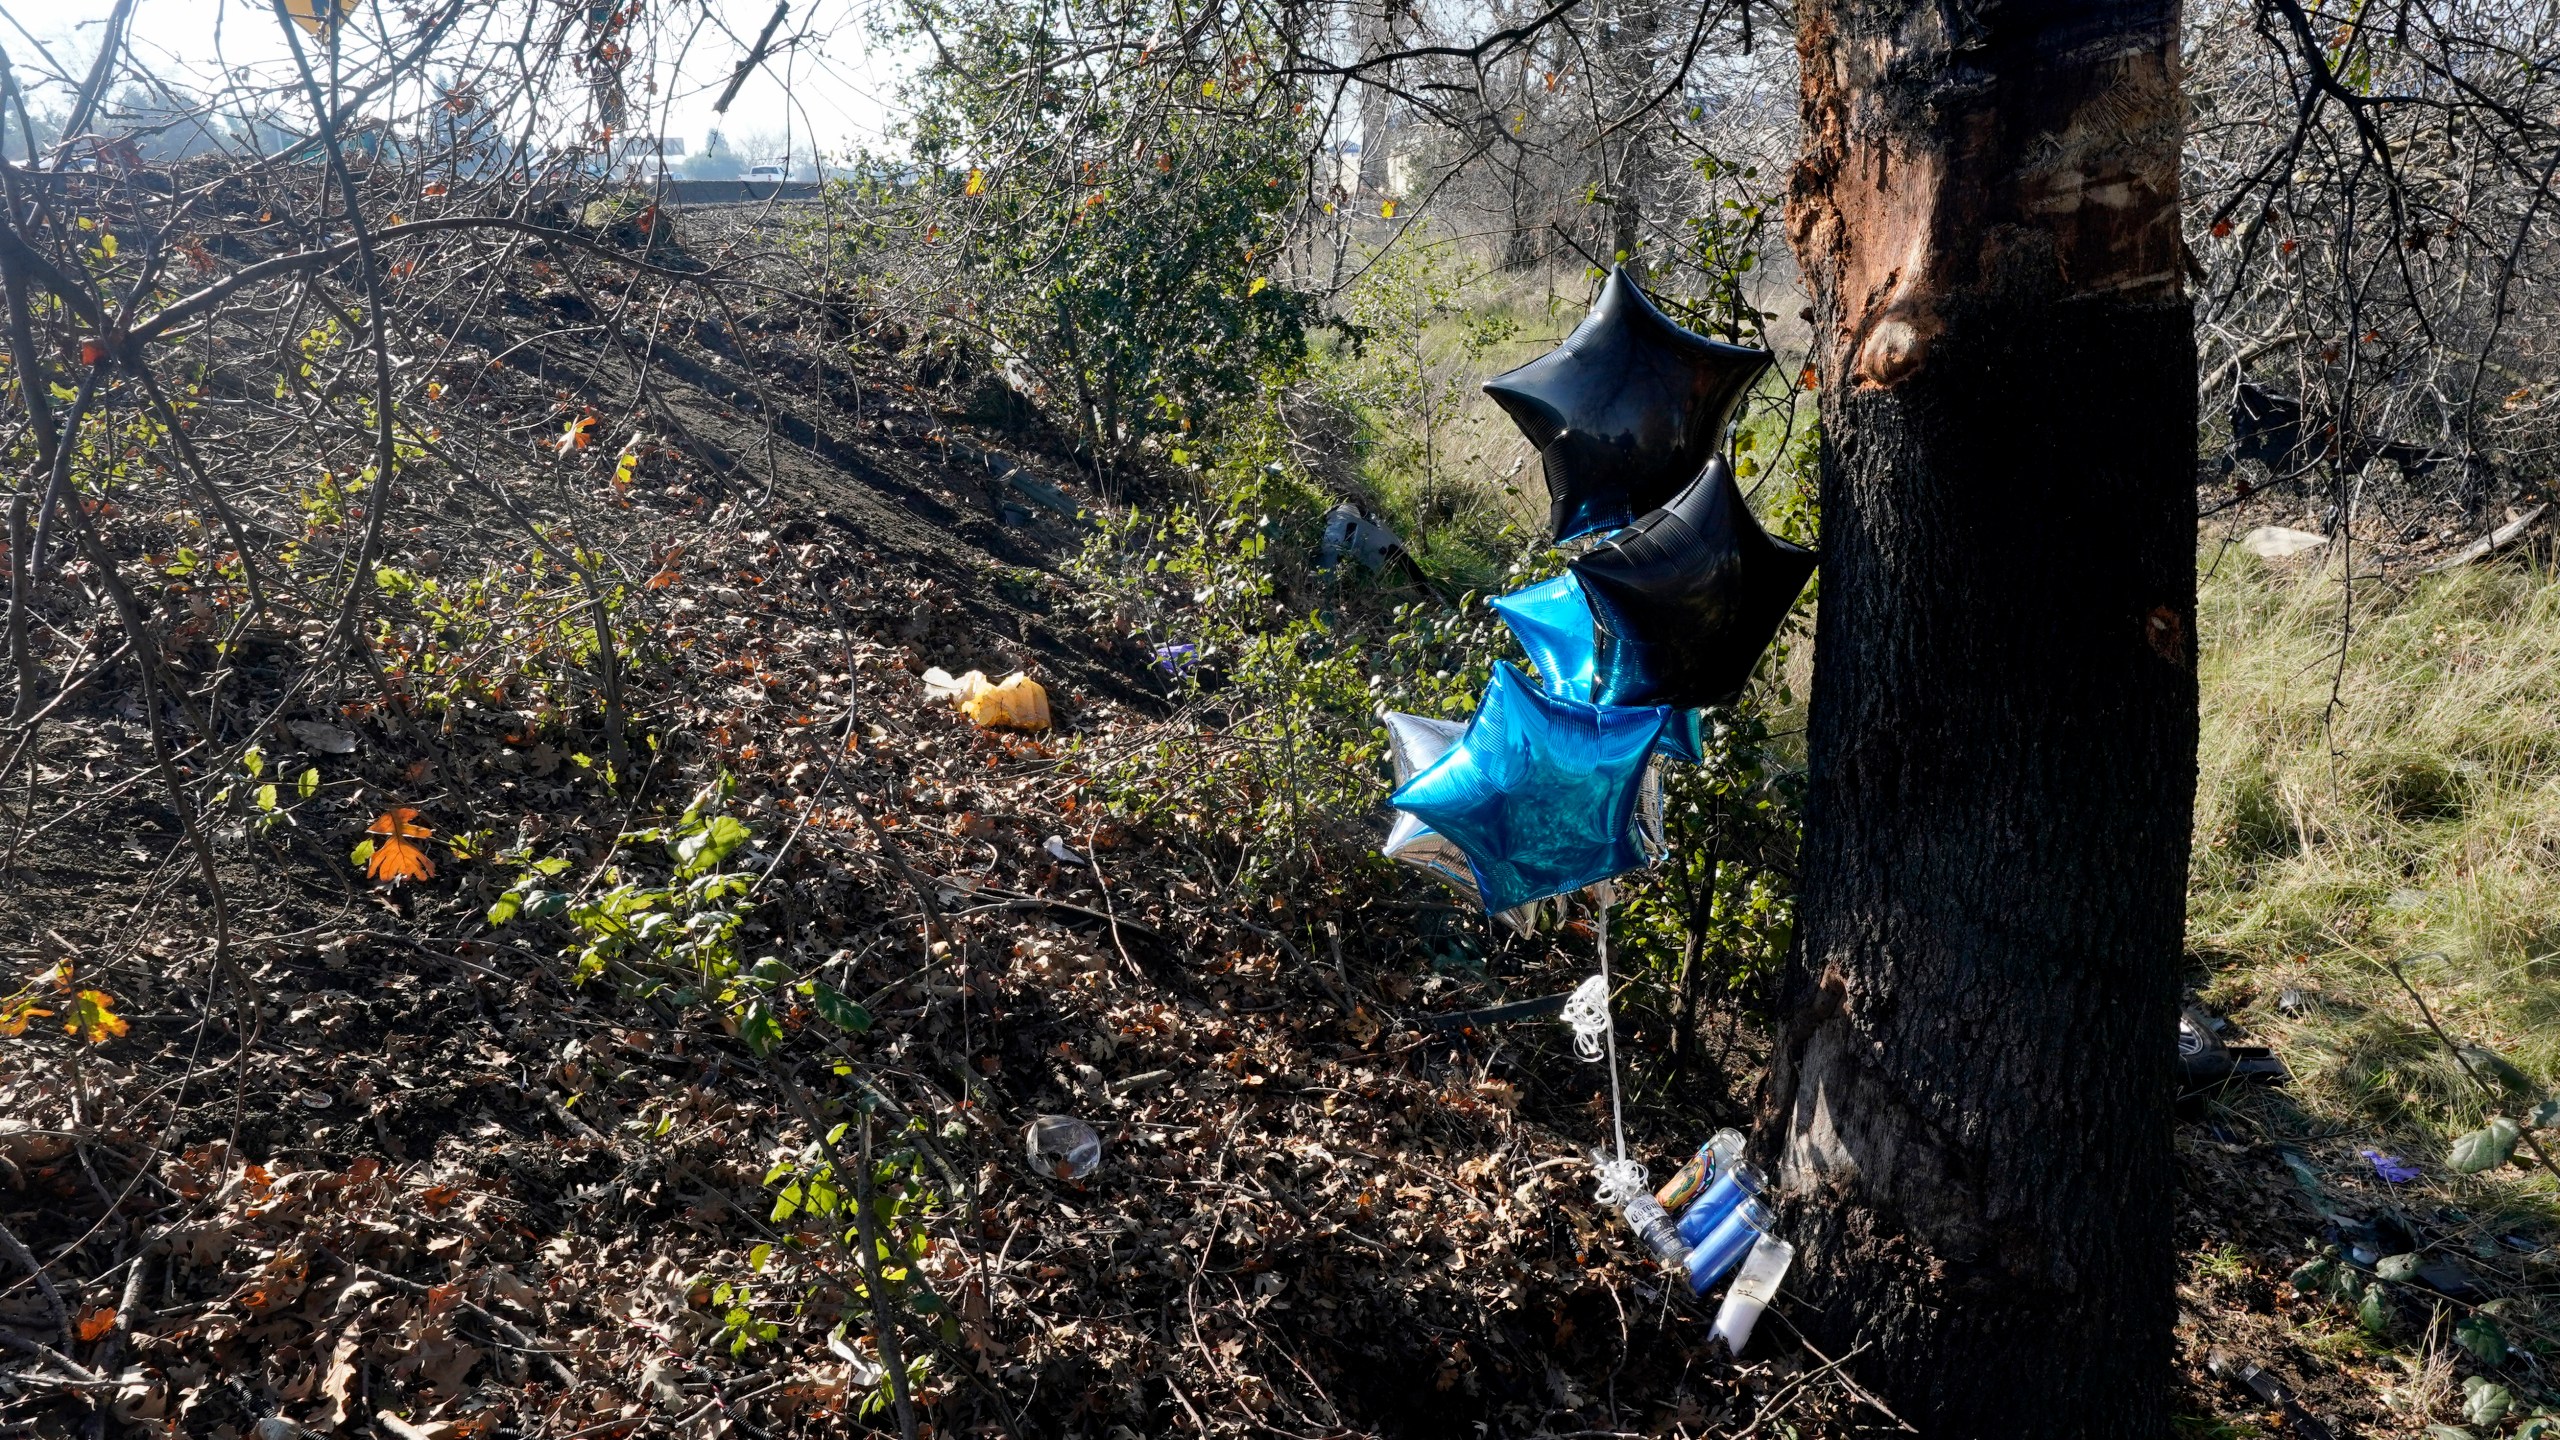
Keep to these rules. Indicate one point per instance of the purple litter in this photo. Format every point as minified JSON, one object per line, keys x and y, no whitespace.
{"x":1174,"y":659}
{"x":2391,"y":1168}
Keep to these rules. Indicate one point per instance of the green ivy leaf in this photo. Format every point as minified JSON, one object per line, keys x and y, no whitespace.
{"x":309,"y":784}
{"x":836,"y":1010}
{"x":706,"y":848}
{"x":2486,"y":1148}
{"x":2485,"y":1401}
{"x":2374,"y":1315}
{"x":507,"y":907}
{"x":758,"y":1027}
{"x":2481,"y":1336}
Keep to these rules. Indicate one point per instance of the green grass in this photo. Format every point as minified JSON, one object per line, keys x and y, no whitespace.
{"x":2399,"y":802}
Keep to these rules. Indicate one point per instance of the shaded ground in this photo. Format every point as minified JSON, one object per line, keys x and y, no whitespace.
{"x":402,"y":1169}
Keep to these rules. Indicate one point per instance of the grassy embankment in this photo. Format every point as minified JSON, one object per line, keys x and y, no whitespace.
{"x":2401,"y":805}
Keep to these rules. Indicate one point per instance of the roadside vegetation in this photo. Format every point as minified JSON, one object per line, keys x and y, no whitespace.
{"x":505,"y":938}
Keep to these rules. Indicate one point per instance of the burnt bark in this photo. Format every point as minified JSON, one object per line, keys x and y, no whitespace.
{"x":1968,"y":1112}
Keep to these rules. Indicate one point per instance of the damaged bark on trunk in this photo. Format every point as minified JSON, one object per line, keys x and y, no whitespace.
{"x":1968,"y":1112}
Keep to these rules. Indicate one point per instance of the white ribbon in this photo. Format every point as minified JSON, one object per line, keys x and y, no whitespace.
{"x":1587,"y":1011}
{"x":1620,"y":1180}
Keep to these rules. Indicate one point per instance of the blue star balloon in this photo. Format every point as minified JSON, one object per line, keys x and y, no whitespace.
{"x":1685,"y":602}
{"x":1415,"y":743}
{"x":1625,"y":410}
{"x":1540,"y":792}
{"x":1552,"y":621}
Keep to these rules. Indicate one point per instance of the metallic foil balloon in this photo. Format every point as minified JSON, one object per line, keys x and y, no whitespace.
{"x":1686,"y":601}
{"x":1414,"y":744}
{"x":1418,"y":845}
{"x":1427,"y":849}
{"x":1625,"y":410}
{"x":1552,"y":622}
{"x":1540,"y":792}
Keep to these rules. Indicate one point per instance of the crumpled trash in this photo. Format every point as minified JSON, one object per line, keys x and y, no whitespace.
{"x":1349,"y":532}
{"x":1056,"y":847}
{"x":326,"y":739}
{"x":1014,"y":703}
{"x":2391,"y":1168}
{"x":1178,"y":658}
{"x":1062,"y":1147}
{"x":2204,"y":1061}
{"x":2257,"y":1381}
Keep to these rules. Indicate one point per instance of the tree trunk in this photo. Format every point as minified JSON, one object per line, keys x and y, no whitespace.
{"x":1968,"y":1110}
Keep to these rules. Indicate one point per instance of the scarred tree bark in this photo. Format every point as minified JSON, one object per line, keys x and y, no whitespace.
{"x":1968,"y":1113}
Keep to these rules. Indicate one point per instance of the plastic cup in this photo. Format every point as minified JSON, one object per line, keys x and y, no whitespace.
{"x":1731,"y":1188}
{"x":1725,"y":1245}
{"x":1062,"y":1147}
{"x":1754,"y":1286}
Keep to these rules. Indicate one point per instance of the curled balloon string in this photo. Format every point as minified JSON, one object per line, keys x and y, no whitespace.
{"x":1609,"y":1032}
{"x":1595,"y":1038}
{"x":1587,"y":1011}
{"x":1620,"y":1180}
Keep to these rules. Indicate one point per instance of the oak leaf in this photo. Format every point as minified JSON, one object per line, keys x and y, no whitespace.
{"x":394,"y":857}
{"x":94,"y":1017}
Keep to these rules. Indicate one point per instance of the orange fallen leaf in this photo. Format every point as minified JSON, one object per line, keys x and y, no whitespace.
{"x":95,"y":1322}
{"x":94,"y":1017}
{"x":394,"y":857}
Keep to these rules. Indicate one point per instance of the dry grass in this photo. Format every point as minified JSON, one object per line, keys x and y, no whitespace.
{"x":2399,"y":802}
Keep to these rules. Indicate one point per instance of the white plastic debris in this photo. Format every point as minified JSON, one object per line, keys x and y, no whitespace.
{"x":2278,"y":542}
{"x":1349,"y":532}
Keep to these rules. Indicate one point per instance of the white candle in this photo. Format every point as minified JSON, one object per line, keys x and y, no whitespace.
{"x":1754,"y":1286}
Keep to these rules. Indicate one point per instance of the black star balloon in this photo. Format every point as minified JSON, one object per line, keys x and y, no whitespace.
{"x":1625,"y":410}
{"x":1685,"y":602}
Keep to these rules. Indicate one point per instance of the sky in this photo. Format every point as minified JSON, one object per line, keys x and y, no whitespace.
{"x":835,"y":87}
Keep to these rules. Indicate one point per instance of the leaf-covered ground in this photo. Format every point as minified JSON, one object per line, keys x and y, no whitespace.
{"x":381,"y":1165}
